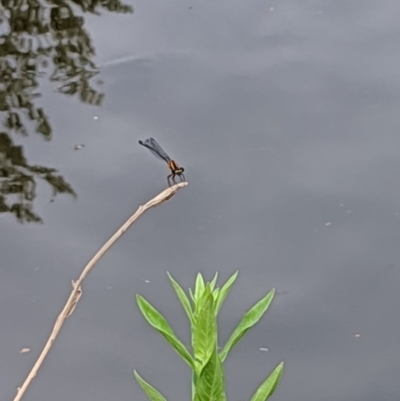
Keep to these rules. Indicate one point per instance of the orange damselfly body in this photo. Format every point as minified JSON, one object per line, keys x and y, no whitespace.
{"x":158,"y":151}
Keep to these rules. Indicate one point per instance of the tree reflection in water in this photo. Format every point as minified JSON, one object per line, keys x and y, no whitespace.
{"x":40,"y":38}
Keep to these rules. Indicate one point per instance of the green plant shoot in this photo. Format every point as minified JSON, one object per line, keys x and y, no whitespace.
{"x":201,"y":308}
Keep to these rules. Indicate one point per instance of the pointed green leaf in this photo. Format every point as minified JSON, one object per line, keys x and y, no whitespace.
{"x":182,"y":297}
{"x":269,"y":386}
{"x":225,"y":291}
{"x":158,"y":321}
{"x":214,"y":281}
{"x":191,"y":295}
{"x":202,"y":298}
{"x":149,"y":390}
{"x":211,"y":384}
{"x":204,"y":332}
{"x":199,"y":286}
{"x":216,"y":295}
{"x":248,"y":321}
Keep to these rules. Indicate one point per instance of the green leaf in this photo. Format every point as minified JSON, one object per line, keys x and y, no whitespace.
{"x":149,"y":390}
{"x":214,"y":281}
{"x":210,"y":385}
{"x":182,"y":297}
{"x":158,"y":321}
{"x":201,"y":299}
{"x":192,"y":295}
{"x":248,"y":321}
{"x":216,"y":295}
{"x":269,"y":386}
{"x":225,"y":291}
{"x":194,"y":383}
{"x":199,"y":286}
{"x":204,"y":332}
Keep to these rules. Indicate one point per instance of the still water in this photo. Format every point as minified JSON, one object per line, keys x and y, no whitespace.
{"x":285,"y":117}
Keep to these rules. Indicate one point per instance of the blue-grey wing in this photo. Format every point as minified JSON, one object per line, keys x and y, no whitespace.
{"x":156,"y":149}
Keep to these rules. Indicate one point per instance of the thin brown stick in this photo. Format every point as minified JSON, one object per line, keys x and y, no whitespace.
{"x":76,"y":285}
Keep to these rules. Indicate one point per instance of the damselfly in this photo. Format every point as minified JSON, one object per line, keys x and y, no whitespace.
{"x":158,"y":151}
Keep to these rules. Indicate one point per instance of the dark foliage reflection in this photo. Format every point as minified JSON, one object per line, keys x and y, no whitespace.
{"x":39,"y":40}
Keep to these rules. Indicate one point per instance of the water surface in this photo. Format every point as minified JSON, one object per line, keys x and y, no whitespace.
{"x":285,"y":117}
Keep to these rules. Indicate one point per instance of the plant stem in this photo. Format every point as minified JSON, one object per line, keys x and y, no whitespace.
{"x":76,"y":285}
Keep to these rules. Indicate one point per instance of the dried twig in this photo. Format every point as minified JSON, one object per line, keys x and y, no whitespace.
{"x":76,"y":285}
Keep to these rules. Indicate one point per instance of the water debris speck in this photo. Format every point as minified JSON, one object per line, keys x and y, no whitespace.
{"x":24,"y":350}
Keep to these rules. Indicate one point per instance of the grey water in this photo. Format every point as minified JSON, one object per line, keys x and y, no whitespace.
{"x":285,"y":116}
